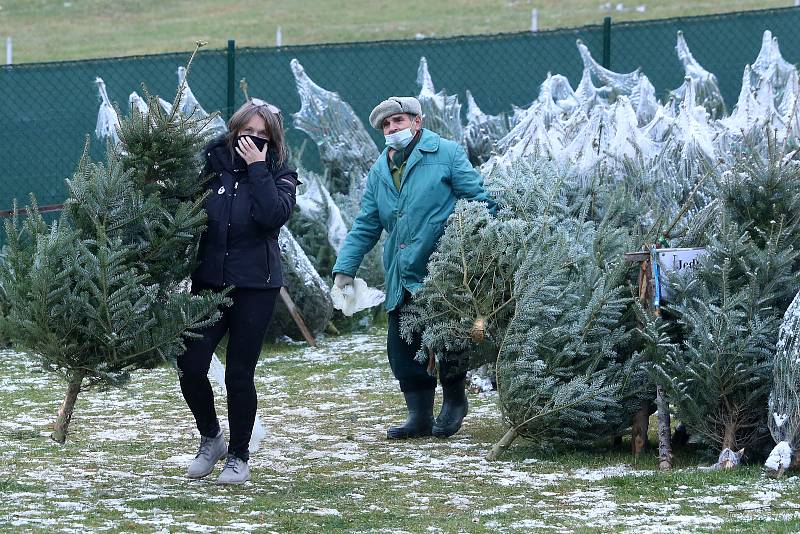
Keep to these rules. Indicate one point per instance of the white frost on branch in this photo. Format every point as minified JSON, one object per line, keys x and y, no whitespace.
{"x":315,"y":202}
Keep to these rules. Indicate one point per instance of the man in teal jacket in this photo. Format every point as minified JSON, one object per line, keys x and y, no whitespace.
{"x":411,"y":191}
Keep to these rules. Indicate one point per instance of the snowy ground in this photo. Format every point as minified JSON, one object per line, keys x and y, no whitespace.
{"x":325,"y":464}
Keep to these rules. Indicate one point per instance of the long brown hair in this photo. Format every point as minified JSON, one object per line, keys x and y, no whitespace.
{"x":272,"y":120}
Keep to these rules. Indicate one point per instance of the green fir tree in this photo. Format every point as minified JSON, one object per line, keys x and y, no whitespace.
{"x":100,"y":292}
{"x":715,"y":358}
{"x":543,"y":289}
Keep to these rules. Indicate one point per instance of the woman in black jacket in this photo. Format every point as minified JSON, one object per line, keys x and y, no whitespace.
{"x":252,"y":194}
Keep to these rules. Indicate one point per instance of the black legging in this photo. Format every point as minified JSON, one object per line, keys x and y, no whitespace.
{"x":246,"y":322}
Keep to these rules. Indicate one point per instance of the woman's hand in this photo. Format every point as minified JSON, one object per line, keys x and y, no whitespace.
{"x":249,"y":152}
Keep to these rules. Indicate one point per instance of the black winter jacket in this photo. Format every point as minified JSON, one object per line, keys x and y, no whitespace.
{"x":246,"y":208}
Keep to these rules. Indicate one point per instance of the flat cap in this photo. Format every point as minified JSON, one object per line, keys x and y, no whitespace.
{"x":392,"y":106}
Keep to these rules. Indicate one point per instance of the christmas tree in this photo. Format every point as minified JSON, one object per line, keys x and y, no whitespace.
{"x":718,"y":375}
{"x":309,"y":292}
{"x":99,"y":293}
{"x":347,"y":152}
{"x":717,"y":363}
{"x":783,"y":410}
{"x":542,"y":288}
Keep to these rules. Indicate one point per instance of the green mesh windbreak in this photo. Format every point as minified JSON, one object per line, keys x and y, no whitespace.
{"x":48,"y":109}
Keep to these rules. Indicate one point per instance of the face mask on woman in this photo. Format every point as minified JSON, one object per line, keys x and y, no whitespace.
{"x":238,"y":161}
{"x":258,"y":141}
{"x":399,"y":140}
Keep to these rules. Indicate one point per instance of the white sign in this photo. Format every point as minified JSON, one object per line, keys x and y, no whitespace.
{"x":679,"y":259}
{"x":676,"y":260}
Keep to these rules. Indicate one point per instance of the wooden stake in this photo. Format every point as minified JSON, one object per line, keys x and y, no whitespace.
{"x":298,"y":319}
{"x":664,"y":437}
{"x":639,"y":428}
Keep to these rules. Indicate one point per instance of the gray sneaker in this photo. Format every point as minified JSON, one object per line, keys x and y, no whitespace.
{"x":235,"y":471}
{"x":210,"y":452}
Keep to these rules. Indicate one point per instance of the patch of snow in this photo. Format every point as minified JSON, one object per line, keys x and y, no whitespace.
{"x":606,"y":472}
{"x":116,"y":434}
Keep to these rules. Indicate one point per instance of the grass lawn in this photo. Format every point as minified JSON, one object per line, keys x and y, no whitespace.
{"x":50,"y":30}
{"x":325,"y":465}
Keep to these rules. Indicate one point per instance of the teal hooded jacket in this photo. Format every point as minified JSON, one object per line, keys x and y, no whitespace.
{"x":436,"y":175}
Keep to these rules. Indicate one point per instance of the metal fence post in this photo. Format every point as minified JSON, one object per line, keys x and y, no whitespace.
{"x":607,"y":42}
{"x":231,"y":78}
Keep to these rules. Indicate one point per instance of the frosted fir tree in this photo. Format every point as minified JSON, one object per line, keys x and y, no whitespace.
{"x":717,"y":368}
{"x":347,"y":151}
{"x":345,"y":147}
{"x":563,"y":373}
{"x":762,"y":193}
{"x":707,"y":93}
{"x":635,"y":85}
{"x":441,"y":112}
{"x":783,"y":410}
{"x":482,"y":131}
{"x":541,"y":288}
{"x":718,"y":375}
{"x":99,"y":293}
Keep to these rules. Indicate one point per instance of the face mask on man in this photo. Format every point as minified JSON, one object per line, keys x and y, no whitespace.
{"x":399,"y":140}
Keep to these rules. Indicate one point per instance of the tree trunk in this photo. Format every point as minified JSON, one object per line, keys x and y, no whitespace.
{"x":795,"y":460}
{"x":65,"y":413}
{"x":729,"y":458}
{"x":501,"y":446}
{"x":641,"y":422}
{"x":729,"y":438}
{"x":664,"y":441}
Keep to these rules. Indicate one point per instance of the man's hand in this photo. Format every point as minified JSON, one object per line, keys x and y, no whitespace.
{"x":342,"y":280}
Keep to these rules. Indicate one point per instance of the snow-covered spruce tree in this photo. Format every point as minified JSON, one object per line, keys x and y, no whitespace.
{"x":543,"y":288}
{"x":783,"y":410}
{"x":717,"y":366}
{"x":309,"y":292}
{"x":96,"y":295}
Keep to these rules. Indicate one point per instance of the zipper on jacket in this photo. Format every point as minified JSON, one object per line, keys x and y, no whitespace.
{"x":269,"y":269}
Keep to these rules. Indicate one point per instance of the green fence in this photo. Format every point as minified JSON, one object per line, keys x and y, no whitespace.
{"x":47,"y":109}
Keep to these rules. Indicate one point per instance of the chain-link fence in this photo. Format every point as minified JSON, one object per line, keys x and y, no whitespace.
{"x":48,"y":109}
